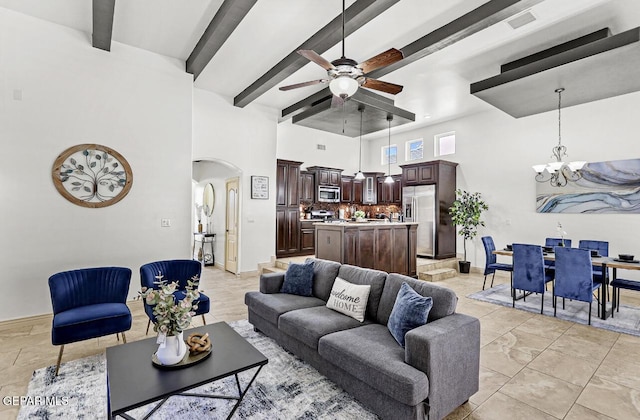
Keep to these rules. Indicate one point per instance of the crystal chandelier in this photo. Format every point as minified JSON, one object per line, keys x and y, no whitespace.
{"x":558,"y":173}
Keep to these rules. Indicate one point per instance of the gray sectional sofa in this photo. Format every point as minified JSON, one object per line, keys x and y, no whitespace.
{"x":437,"y":371}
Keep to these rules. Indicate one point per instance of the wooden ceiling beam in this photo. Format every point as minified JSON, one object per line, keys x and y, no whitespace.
{"x":488,"y":14}
{"x":102,"y":23}
{"x":225,"y":21}
{"x":356,"y":16}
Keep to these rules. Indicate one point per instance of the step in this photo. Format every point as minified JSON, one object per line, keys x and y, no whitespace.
{"x":266,"y":270}
{"x":437,"y":274}
{"x":425,"y":264}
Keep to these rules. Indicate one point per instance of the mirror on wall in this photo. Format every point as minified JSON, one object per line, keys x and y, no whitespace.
{"x":208,"y":200}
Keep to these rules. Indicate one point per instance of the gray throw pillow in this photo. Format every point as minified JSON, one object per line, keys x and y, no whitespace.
{"x":298,"y":280}
{"x":410,"y":311}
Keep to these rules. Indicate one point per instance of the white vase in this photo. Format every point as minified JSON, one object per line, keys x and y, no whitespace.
{"x":173,"y":351}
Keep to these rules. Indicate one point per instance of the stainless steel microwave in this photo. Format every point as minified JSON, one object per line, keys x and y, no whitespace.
{"x":328,"y":194}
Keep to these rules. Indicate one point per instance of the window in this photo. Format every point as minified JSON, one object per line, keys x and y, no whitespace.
{"x":389,"y":154}
{"x":413,"y":150}
{"x":445,"y":144}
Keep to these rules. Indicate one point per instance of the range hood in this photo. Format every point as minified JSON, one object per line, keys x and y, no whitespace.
{"x":593,"y":67}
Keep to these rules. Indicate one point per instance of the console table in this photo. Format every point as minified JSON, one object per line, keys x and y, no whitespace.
{"x":205,"y":238}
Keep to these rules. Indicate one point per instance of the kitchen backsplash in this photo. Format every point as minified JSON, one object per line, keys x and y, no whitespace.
{"x":371,"y":210}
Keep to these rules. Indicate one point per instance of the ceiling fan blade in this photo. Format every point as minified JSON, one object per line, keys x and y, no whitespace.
{"x":316,"y":58}
{"x":303,"y":84}
{"x":381,"y":60}
{"x":386,"y":87}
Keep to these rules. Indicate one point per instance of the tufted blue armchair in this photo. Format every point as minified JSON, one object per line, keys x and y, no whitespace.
{"x":491,"y":264}
{"x":574,"y":277}
{"x":89,"y":303}
{"x":173,"y":270}
{"x":529,"y":272}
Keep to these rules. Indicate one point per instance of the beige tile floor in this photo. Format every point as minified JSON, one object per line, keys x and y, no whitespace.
{"x":532,"y":366}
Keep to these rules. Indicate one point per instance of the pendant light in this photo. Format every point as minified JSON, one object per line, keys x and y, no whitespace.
{"x":388,"y":179}
{"x":360,"y":175}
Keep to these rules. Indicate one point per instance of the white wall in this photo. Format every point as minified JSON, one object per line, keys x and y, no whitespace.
{"x":495,"y":153}
{"x":300,"y":144}
{"x":245,"y":138}
{"x":133,"y":101}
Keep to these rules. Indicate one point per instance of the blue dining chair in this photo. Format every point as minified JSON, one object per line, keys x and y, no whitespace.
{"x":491,"y":264}
{"x":89,"y":303}
{"x":529,"y":274}
{"x":173,"y":270}
{"x":554,"y":242}
{"x":574,"y":277}
{"x":603,"y":249}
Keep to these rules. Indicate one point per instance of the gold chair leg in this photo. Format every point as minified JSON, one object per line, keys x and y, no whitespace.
{"x":124,"y":338}
{"x":148,"y":324}
{"x":59,"y":359}
{"x":204,"y":321}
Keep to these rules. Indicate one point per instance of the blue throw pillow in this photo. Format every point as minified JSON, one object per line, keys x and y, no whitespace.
{"x":410,"y":311}
{"x":298,"y":280}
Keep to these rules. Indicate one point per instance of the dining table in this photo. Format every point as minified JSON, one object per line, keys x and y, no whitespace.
{"x":605,"y":262}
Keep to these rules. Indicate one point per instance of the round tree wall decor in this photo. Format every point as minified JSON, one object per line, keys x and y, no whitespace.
{"x":92,"y":175}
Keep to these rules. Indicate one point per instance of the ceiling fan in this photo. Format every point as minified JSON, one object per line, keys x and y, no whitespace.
{"x":346,"y":75}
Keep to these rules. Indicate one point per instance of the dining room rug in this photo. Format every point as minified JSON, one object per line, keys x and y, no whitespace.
{"x":286,"y":388}
{"x":626,"y":321}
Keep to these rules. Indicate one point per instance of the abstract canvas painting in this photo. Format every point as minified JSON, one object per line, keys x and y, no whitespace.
{"x":605,"y":187}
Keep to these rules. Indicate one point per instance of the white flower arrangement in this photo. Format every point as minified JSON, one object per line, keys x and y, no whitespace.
{"x":172,"y":316}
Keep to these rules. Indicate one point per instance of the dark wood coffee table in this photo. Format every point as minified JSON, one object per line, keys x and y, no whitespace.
{"x":133,"y":381}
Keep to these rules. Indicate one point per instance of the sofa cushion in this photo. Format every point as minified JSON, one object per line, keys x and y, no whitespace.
{"x":410,"y":311}
{"x":298,"y":280}
{"x":444,"y":299}
{"x":349,"y":299}
{"x":371,"y":354}
{"x":324,"y":273}
{"x":309,"y":325}
{"x":364,"y":276}
{"x":271,"y":306}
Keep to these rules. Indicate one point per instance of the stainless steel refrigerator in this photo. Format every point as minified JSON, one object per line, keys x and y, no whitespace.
{"x":419,"y":205}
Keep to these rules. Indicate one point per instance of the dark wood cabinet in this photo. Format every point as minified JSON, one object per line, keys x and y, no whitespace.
{"x":307,"y":187}
{"x":370,"y":187}
{"x":389,"y":247}
{"x":307,"y":236}
{"x":346,"y":189}
{"x":442,"y":174}
{"x":326,"y":176}
{"x":419,"y":173}
{"x":287,"y":208}
{"x":390,"y":193}
{"x":357,"y":191}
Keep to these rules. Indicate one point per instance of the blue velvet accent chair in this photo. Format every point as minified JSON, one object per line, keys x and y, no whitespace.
{"x":529,"y":274}
{"x":574,"y":277}
{"x":491,"y":264}
{"x":173,"y":270}
{"x":89,"y":303}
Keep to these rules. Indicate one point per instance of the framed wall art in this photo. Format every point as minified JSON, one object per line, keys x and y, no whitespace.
{"x":260,"y":187}
{"x":92,"y":175}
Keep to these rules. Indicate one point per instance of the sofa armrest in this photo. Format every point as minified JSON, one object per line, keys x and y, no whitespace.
{"x":448,"y":351}
{"x":271,"y":282}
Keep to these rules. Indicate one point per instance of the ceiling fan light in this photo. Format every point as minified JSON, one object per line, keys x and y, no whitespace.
{"x":343,"y":86}
{"x":359,"y":175}
{"x":388,"y":180}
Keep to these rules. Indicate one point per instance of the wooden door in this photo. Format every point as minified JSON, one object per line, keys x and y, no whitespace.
{"x":231,"y":239}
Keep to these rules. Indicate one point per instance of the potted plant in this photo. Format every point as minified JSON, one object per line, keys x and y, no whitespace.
{"x":172,"y":316}
{"x":359,"y":215}
{"x":465,"y":213}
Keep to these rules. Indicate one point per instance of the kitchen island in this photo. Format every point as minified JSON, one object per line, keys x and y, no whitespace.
{"x":386,"y":246}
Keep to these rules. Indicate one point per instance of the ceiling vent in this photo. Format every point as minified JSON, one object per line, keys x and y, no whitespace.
{"x":521,"y":19}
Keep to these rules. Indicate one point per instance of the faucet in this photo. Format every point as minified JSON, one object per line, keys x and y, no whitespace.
{"x":388,"y":217}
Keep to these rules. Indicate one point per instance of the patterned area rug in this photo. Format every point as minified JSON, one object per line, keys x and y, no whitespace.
{"x":626,"y":321}
{"x":286,"y":388}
